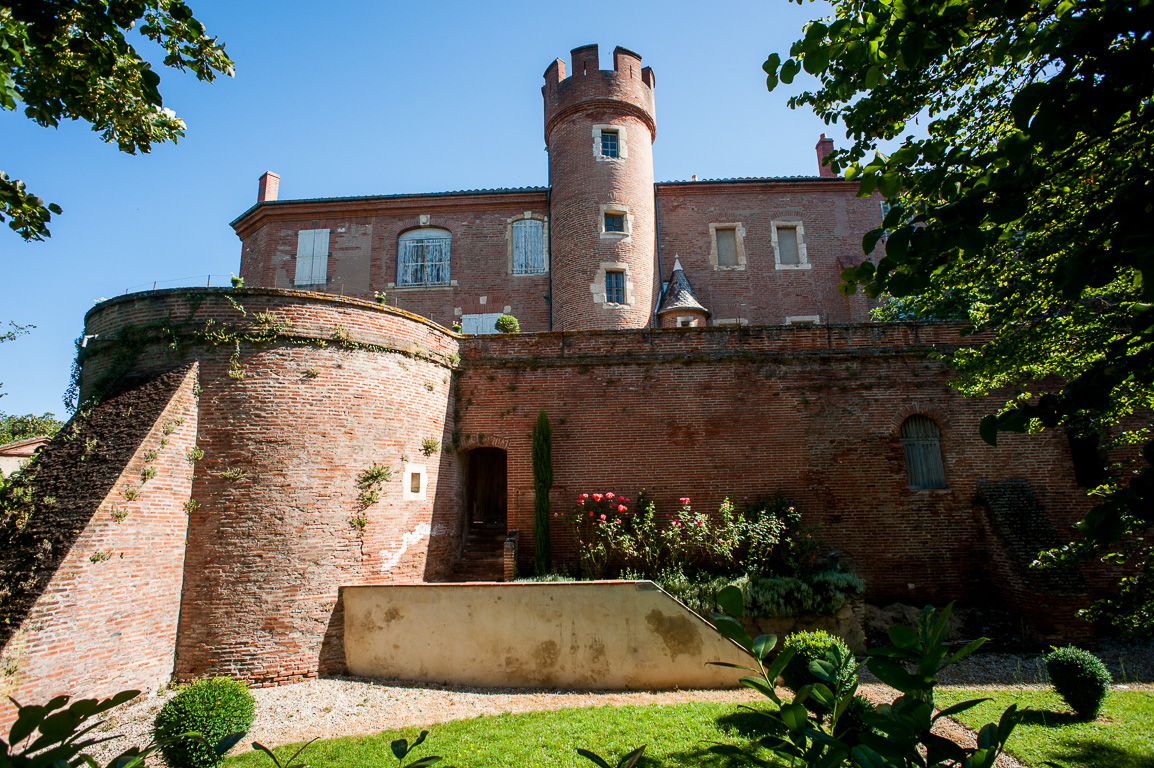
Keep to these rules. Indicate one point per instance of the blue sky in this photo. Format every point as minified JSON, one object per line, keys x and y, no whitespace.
{"x":358,"y":99}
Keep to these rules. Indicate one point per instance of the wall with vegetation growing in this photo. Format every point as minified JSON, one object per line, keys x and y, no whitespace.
{"x":92,"y":541}
{"x":816,"y":412}
{"x":312,"y":408}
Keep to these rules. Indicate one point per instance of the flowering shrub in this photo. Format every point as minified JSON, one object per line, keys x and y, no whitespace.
{"x":760,"y":545}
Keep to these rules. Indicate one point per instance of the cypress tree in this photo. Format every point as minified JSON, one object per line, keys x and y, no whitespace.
{"x":542,"y":482}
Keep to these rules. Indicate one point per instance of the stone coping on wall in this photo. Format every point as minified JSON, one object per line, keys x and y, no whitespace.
{"x":319,"y":296}
{"x":608,"y":635}
{"x":566,"y":347}
{"x":689,"y":345}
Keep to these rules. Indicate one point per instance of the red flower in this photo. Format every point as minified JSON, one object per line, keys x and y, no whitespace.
{"x":603,"y":517}
{"x":597,"y":497}
{"x":618,"y":522}
{"x":622,"y":508}
{"x":684,"y":500}
{"x":584,"y":495}
{"x":609,"y":495}
{"x":590,"y":514}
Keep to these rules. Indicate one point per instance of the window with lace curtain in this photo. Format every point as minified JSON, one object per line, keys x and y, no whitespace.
{"x":423,"y":257}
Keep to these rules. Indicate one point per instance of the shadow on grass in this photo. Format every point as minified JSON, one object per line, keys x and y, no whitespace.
{"x":1048,"y":718}
{"x":1093,"y":753}
{"x":739,"y":728}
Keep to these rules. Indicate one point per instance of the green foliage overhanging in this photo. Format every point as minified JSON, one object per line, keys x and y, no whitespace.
{"x":71,"y":59}
{"x":1025,"y":209}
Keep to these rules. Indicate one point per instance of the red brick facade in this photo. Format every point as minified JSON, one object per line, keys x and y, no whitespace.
{"x":109,"y":493}
{"x":662,"y":222}
{"x":294,"y":395}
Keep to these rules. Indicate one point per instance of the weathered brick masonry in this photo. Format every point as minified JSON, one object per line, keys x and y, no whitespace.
{"x":292,"y":395}
{"x":92,"y":582}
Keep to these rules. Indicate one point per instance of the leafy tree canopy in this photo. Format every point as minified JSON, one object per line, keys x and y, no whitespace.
{"x":13,"y":428}
{"x":1023,"y":204}
{"x":70,"y":59}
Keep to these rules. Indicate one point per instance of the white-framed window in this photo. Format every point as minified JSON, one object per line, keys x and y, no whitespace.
{"x":609,"y":142}
{"x":803,"y":320}
{"x":527,"y":246}
{"x":684,"y":321}
{"x":788,"y":240}
{"x":312,"y":257}
{"x":616,"y":223}
{"x":727,"y":245}
{"x":423,"y":257}
{"x":480,"y":323}
{"x":416,"y":482}
{"x":921,"y":439}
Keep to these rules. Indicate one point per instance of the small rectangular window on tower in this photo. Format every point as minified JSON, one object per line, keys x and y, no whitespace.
{"x":614,"y":287}
{"x":608,"y":143}
{"x":614,"y":222}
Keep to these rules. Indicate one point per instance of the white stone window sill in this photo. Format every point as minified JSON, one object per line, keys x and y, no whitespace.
{"x":614,"y":235}
{"x":793,"y":266}
{"x":729,"y":267}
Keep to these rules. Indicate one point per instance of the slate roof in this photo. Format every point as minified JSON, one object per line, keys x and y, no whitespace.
{"x":679,"y":294}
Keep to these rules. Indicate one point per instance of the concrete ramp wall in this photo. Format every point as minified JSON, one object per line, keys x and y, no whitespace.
{"x":615,"y":635}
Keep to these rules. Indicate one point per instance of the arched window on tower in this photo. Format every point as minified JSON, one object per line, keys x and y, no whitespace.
{"x":423,"y":257}
{"x":921,"y":439}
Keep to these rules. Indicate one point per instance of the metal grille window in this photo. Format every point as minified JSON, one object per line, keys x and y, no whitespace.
{"x":921,"y":439}
{"x":614,"y":222}
{"x":423,"y":257}
{"x":615,"y":287}
{"x":528,"y":247}
{"x":608,"y":143}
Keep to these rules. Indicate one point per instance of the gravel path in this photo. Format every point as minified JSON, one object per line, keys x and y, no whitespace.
{"x":334,"y":707}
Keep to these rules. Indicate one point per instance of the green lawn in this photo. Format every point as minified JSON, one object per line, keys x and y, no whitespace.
{"x":675,"y":735}
{"x":1121,"y":737}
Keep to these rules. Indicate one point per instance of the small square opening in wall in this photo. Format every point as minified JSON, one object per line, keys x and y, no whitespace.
{"x":614,"y":222}
{"x":415,"y":483}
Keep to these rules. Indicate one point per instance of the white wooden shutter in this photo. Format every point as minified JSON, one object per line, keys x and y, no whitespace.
{"x":519,"y":233}
{"x":304,"y":273}
{"x":320,"y":271}
{"x":489,"y":322}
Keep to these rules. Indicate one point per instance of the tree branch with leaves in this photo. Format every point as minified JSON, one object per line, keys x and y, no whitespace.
{"x":72,"y":59}
{"x":1023,"y":207}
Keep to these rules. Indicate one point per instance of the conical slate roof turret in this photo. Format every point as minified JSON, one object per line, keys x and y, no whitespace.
{"x":679,"y":295}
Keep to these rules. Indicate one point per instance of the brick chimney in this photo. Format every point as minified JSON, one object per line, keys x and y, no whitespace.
{"x":824,"y":147}
{"x":270,"y":186}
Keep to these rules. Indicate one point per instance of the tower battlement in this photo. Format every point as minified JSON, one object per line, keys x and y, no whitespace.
{"x":628,"y":84}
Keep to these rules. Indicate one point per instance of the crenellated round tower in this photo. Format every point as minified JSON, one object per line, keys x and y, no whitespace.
{"x":599,"y":131}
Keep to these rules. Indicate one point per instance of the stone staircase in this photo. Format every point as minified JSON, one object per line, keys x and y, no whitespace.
{"x":483,"y":557}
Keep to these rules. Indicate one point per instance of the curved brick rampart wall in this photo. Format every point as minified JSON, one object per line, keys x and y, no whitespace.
{"x":812,"y":411}
{"x":585,"y":184}
{"x":90,"y":583}
{"x":287,"y":426}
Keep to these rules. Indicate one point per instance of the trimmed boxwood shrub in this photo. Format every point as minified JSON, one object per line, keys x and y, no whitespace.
{"x":213,"y":708}
{"x":1080,"y":678}
{"x":808,"y":646}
